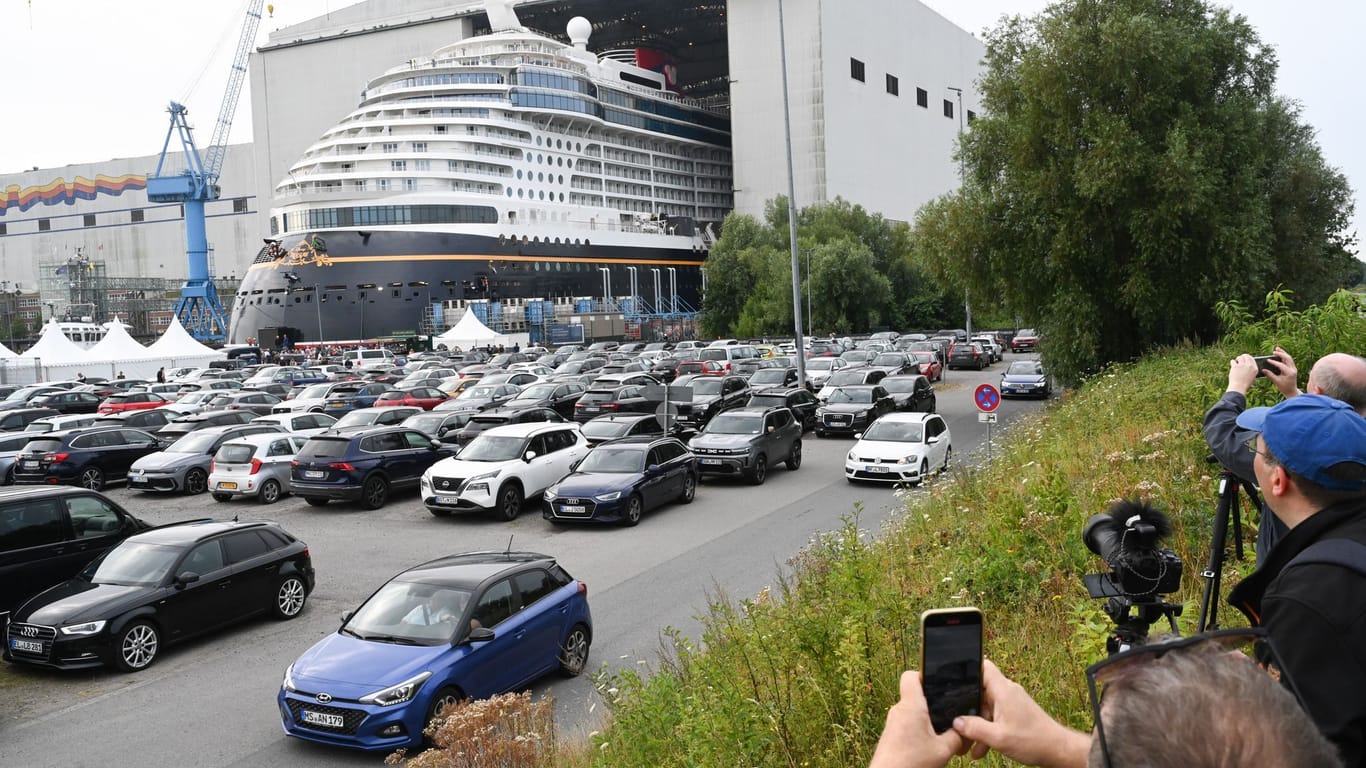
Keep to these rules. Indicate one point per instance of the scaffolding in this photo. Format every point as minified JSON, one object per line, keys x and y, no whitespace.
{"x":79,"y":287}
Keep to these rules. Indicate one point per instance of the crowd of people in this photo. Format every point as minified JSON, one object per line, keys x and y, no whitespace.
{"x":1302,"y":702}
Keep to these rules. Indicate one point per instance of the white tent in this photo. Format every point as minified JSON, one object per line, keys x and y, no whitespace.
{"x":6,"y":353}
{"x":54,"y":348}
{"x":470,"y":333}
{"x":178,"y":343}
{"x":117,"y":345}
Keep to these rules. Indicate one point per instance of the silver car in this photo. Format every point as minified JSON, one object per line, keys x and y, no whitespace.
{"x":11,"y":445}
{"x":255,"y":465}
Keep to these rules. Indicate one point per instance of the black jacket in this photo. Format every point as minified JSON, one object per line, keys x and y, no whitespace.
{"x":1228,"y":442}
{"x":1316,"y":616}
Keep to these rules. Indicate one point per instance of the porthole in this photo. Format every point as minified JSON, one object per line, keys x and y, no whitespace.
{"x":509,"y":191}
{"x":540,"y":159}
{"x":521,"y":193}
{"x":561,"y":178}
{"x":562,"y":197}
{"x":519,"y":173}
{"x":559,"y":144}
{"x":540,"y":177}
{"x":578,"y":147}
{"x":538,"y":141}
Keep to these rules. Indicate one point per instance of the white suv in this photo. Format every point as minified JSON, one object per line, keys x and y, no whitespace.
{"x":503,"y":467}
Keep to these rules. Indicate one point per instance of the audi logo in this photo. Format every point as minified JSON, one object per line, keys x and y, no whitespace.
{"x":324,"y":697}
{"x":28,"y":631}
{"x":573,"y":501}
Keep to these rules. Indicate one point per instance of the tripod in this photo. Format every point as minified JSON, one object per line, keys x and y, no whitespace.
{"x":1226,"y":511}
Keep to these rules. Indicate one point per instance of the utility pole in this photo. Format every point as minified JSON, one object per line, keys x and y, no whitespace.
{"x":967,"y":304}
{"x":792,"y":210}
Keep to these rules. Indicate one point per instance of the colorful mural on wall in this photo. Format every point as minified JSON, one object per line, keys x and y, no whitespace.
{"x":63,"y":191}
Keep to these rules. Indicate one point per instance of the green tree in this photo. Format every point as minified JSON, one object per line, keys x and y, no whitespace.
{"x":1133,"y":167}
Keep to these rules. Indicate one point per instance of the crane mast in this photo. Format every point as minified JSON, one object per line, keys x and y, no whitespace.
{"x":198,"y":307}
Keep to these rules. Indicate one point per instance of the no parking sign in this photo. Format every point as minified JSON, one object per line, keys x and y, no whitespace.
{"x":987,"y":398}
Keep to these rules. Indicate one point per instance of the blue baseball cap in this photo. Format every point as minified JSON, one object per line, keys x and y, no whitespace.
{"x":1311,"y":435}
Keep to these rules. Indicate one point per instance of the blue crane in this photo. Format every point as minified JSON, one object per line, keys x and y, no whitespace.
{"x":198,"y":307}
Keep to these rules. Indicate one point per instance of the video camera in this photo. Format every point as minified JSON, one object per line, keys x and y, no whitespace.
{"x":1127,"y":537}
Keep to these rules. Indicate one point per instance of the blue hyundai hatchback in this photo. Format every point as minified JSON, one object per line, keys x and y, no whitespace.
{"x":463,"y":626}
{"x":366,"y":464}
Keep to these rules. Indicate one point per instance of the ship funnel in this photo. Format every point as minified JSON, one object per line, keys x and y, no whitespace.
{"x":501,"y":16}
{"x":579,"y":30}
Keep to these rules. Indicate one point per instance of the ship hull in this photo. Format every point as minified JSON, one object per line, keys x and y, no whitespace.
{"x":351,"y":284}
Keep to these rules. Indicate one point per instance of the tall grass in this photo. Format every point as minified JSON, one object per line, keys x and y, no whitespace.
{"x":801,"y":675}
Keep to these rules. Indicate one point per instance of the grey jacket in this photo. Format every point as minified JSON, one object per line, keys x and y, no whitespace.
{"x":1228,"y":442}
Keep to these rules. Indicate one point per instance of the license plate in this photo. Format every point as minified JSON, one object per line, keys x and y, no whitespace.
{"x":227,"y":486}
{"x":323,"y":719}
{"x":572,"y":509}
{"x":447,"y":499}
{"x":590,"y":410}
{"x":872,"y":468}
{"x":28,"y":646}
{"x":30,"y":463}
{"x":336,"y":405}
{"x":711,"y":461}
{"x":314,"y":473}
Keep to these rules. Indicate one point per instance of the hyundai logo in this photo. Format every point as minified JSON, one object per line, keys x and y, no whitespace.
{"x":324,"y":697}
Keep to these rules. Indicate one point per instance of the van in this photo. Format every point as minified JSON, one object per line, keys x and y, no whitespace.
{"x":729,"y":355}
{"x":48,"y":534}
{"x":366,"y":359}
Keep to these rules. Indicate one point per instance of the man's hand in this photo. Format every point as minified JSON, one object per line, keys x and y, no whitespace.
{"x":1242,"y":371}
{"x":908,"y":740}
{"x":1015,"y":725}
{"x":1282,"y":373}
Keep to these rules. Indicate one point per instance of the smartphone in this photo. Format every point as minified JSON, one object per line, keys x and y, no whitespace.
{"x":1262,"y":361}
{"x":951,"y":663}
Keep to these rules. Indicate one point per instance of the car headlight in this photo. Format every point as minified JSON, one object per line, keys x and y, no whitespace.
{"x":912,"y":459}
{"x":425,"y":483}
{"x":87,"y":628}
{"x":613,"y":496}
{"x":288,"y":682}
{"x":480,"y":482}
{"x":396,"y":694}
{"x":852,"y":457}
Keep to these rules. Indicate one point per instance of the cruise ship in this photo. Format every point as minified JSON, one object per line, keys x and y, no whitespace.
{"x":509,"y":165}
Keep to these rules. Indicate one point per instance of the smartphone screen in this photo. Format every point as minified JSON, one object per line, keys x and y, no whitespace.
{"x":951,"y":663}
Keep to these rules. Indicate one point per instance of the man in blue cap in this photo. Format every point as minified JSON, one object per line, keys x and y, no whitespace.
{"x":1310,"y":591}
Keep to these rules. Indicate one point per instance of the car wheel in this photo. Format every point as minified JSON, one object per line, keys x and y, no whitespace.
{"x":270,"y":492}
{"x":759,"y":474}
{"x":375,"y":492}
{"x":196,"y":482}
{"x":634,"y":508}
{"x":689,"y":488}
{"x":510,"y":501}
{"x":948,"y":457}
{"x":794,"y":459}
{"x":91,"y":478}
{"x":314,"y":501}
{"x":574,"y":652}
{"x":9,"y":476}
{"x":222,"y":497}
{"x":924,"y":470}
{"x":290,"y":595}
{"x":137,"y":646}
{"x":442,"y":703}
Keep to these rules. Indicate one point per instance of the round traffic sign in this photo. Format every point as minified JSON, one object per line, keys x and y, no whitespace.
{"x":666,"y":414}
{"x":986,"y":397}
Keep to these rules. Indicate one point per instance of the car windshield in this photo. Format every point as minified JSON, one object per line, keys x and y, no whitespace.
{"x":195,"y":442}
{"x":896,"y":432}
{"x":488,"y":447}
{"x":537,"y":392}
{"x":575,"y":366}
{"x":924,"y":357}
{"x":425,"y":422}
{"x":235,"y":453}
{"x":133,"y":563}
{"x":603,"y":429}
{"x":769,"y":401}
{"x":410,"y":613}
{"x":768,"y":376}
{"x":705,"y":386}
{"x":860,"y":396}
{"x":356,"y":418}
{"x":314,"y":391}
{"x":889,"y":359}
{"x":197,"y":397}
{"x":735,"y":424}
{"x":840,"y":378}
{"x":820,"y":364}
{"x":478,"y":393}
{"x":1025,"y":368}
{"x":898,"y":385}
{"x":1028,"y":332}
{"x":621,"y":460}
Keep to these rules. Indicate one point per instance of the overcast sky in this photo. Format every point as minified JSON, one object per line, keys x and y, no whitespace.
{"x":89,"y":80}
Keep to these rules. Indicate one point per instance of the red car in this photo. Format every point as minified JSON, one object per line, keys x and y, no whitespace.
{"x":133,"y":401}
{"x":930,"y":367}
{"x":425,"y":398}
{"x":707,"y":367}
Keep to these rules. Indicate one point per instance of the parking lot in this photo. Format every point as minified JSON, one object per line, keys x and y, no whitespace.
{"x":731,"y":541}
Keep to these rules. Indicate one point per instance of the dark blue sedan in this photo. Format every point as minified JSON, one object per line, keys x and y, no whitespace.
{"x":463,"y":626}
{"x":1025,"y":378}
{"x":621,"y":479}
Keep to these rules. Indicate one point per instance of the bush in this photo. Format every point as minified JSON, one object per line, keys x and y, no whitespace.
{"x":508,"y":731}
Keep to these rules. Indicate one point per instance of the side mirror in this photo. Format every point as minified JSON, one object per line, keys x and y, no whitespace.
{"x":932,"y":439}
{"x":479,"y":635}
{"x":529,"y":455}
{"x":435,"y":445}
{"x":187,"y":577}
{"x":772,"y":429}
{"x":858,"y":436}
{"x":652,"y":469}
{"x":346,"y":616}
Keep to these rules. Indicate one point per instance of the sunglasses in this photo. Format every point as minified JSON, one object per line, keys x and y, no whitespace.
{"x":1252,"y":642}
{"x":1251,"y":446}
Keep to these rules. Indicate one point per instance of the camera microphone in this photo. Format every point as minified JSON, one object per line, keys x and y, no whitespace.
{"x":1103,"y":533}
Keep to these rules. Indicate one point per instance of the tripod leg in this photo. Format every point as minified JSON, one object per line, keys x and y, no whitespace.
{"x":1235,"y":513}
{"x":1209,"y":609}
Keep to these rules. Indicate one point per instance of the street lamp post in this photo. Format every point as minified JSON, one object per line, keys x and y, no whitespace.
{"x":967,"y":305}
{"x":606,"y":288}
{"x":658,"y":305}
{"x":635,"y":288}
{"x":792,"y":207}
{"x":808,"y":291}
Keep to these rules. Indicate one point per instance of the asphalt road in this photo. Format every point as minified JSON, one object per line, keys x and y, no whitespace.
{"x":211,"y":702}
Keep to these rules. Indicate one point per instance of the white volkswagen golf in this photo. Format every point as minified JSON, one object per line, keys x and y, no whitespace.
{"x":901,"y":448}
{"x":503,"y":467}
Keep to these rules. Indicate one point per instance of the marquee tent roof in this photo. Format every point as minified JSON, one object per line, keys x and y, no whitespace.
{"x":177,"y":342}
{"x":117,"y":344}
{"x":470,"y":332}
{"x":55,"y":348}
{"x":6,"y":353}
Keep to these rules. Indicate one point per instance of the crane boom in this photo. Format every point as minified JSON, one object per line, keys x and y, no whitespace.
{"x":213,"y":164}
